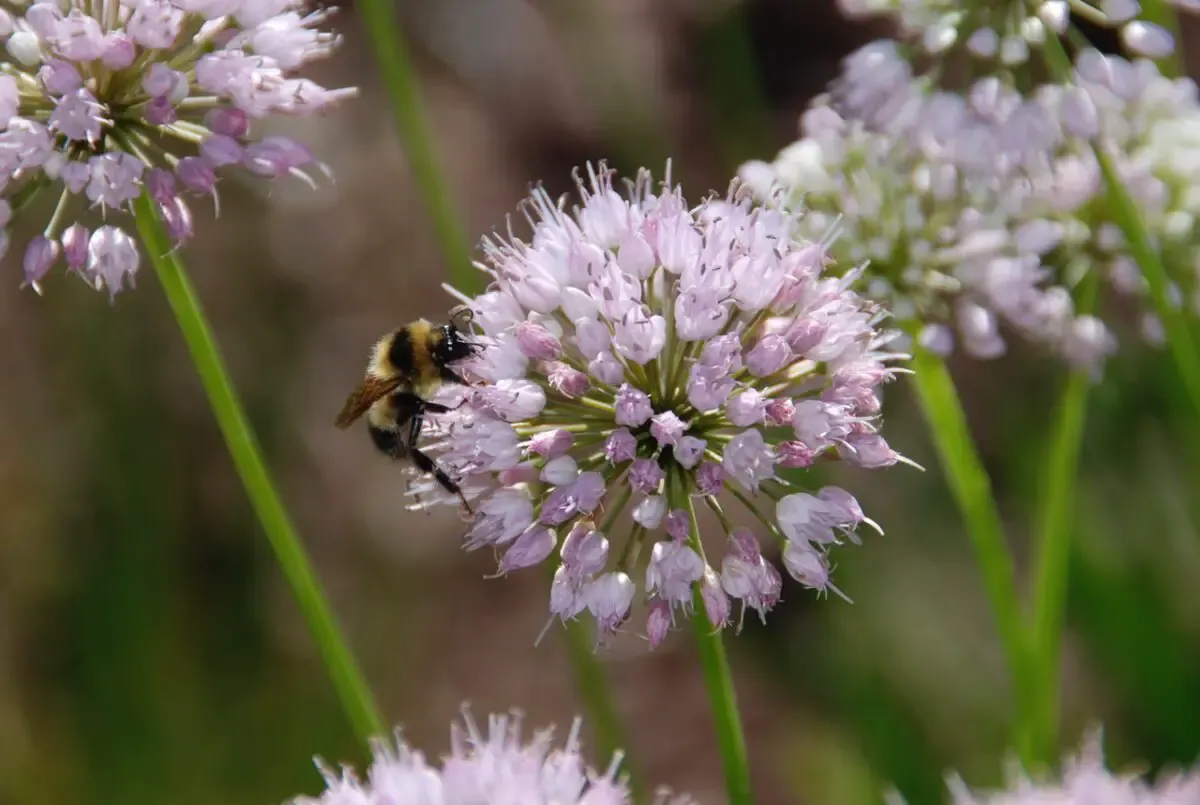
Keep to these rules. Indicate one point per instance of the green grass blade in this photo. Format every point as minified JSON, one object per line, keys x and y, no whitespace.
{"x":399,"y":78}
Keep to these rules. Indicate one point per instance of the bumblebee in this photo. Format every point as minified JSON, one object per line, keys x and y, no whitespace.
{"x":408,"y":366}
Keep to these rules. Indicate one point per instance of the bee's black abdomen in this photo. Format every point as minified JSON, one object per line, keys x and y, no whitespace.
{"x":388,"y":441}
{"x":401,"y":353}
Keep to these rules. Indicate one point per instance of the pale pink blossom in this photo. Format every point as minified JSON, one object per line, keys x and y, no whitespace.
{"x":490,"y":764}
{"x":673,"y":414}
{"x":1085,"y":780}
{"x":76,"y":117}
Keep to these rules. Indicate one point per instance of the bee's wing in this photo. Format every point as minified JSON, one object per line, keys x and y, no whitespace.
{"x":363,"y":397}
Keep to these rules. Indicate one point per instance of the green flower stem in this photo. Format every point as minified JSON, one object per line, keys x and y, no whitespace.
{"x":734,"y":89}
{"x":1173,"y":316}
{"x":718,"y":678}
{"x":593,"y":687}
{"x":1126,"y":216}
{"x":391,"y":51}
{"x":1052,"y":551}
{"x":592,"y":682}
{"x":1052,"y":547}
{"x":972,"y":491}
{"x":243,"y":447}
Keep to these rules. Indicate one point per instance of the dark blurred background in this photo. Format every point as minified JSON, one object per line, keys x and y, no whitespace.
{"x":150,"y":652}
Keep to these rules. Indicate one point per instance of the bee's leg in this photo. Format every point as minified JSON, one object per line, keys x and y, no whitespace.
{"x":438,"y":408}
{"x":413,"y":409}
{"x":426,"y":464}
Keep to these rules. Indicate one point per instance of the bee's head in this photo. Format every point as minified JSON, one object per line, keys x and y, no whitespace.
{"x":454,"y":345}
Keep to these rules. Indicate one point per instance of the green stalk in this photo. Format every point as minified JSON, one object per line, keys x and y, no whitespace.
{"x":1126,"y":216}
{"x":1052,"y":551}
{"x":603,"y":718}
{"x":1173,"y":317}
{"x":592,"y":682}
{"x":399,"y":77}
{"x":247,"y":458}
{"x":1053,"y":547}
{"x":972,"y":491}
{"x":734,"y":89}
{"x":718,"y":679}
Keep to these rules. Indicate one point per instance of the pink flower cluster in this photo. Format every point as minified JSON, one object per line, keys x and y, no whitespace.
{"x":1086,"y":781}
{"x":497,"y":766}
{"x":982,"y":208}
{"x":642,"y":357}
{"x":106,"y":99}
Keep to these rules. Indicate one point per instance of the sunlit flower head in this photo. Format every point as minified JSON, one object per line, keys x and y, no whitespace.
{"x":983,"y":210}
{"x":986,"y":210}
{"x":1086,"y":781}
{"x":492,"y":766}
{"x":104,"y":99}
{"x":1148,"y":124}
{"x":644,"y":359}
{"x":957,"y":252}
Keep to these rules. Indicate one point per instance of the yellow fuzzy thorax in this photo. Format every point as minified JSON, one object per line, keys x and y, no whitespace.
{"x":426,"y":376}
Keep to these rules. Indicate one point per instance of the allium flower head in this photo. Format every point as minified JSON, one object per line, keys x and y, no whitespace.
{"x":947,"y":247}
{"x":1006,"y":33}
{"x":492,"y":767}
{"x":1086,"y":781}
{"x":102,"y":99}
{"x":982,"y":211}
{"x":641,"y":355}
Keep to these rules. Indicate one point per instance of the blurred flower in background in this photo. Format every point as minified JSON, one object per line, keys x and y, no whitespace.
{"x":1086,"y":781}
{"x":100,"y":99}
{"x":987,"y":206}
{"x":1003,"y":34}
{"x":492,"y":766}
{"x":589,"y":394}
